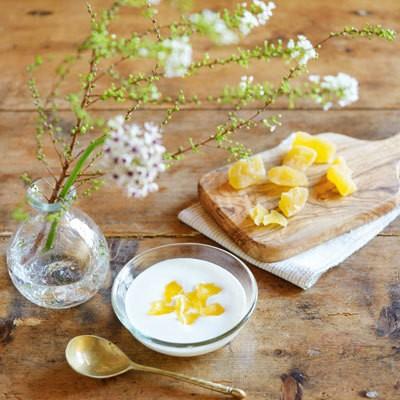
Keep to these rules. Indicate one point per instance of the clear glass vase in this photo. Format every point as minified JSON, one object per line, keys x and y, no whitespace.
{"x":58,"y":257}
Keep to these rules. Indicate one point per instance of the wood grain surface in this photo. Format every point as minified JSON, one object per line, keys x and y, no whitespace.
{"x":336,"y":341}
{"x":54,"y":28}
{"x":375,"y":166}
{"x":339,"y":340}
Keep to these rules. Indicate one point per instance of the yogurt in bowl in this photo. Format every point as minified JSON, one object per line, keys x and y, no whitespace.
{"x":213,"y":295}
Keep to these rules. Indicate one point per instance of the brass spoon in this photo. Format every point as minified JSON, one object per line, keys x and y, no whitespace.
{"x":99,"y":358}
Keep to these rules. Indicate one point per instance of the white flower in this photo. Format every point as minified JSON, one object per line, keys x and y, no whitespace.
{"x":342,"y":86}
{"x":252,"y":19}
{"x":143,"y":52}
{"x":226,"y":36}
{"x":215,"y":26}
{"x":314,"y":78}
{"x":345,"y":87}
{"x":117,"y":123}
{"x":133,"y":156}
{"x":245,"y":81}
{"x":265,"y":11}
{"x":177,"y":57}
{"x":153,"y":2}
{"x":248,"y":22}
{"x":303,"y":50}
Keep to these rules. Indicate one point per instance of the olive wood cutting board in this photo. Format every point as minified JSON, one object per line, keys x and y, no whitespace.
{"x":375,"y":166}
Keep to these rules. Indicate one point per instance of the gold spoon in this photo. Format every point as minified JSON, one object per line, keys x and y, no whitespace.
{"x":99,"y":358}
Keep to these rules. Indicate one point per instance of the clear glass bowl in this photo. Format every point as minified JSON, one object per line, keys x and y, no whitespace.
{"x":183,"y":250}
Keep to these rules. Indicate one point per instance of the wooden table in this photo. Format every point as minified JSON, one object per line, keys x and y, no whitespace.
{"x":338,"y":340}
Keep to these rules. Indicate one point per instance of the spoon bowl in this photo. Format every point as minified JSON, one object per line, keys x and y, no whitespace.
{"x":96,"y":357}
{"x":99,"y":358}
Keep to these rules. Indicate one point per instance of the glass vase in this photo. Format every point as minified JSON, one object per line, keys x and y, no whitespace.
{"x":58,"y":257}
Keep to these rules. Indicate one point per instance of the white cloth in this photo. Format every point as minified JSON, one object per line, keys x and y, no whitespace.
{"x":304,"y":269}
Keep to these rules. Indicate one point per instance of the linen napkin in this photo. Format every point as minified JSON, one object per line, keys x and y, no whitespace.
{"x":304,"y":269}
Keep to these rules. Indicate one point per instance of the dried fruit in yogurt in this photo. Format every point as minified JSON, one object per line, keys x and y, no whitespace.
{"x":188,"y":306}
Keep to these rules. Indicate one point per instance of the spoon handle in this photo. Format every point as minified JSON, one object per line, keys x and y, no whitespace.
{"x":228,"y":390}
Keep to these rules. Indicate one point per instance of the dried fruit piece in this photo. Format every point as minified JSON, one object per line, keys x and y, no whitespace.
{"x":195,"y":301}
{"x":257,"y":168}
{"x":275,"y":218}
{"x":287,"y":176}
{"x":340,"y":175}
{"x":171,"y":290}
{"x":213,"y":309}
{"x":244,"y":173}
{"x":340,"y":161}
{"x":187,"y":306}
{"x":238,"y":175}
{"x":184,"y":311}
{"x":257,"y":214}
{"x":188,"y":318}
{"x":300,"y":157}
{"x":293,"y":201}
{"x":261,"y":216}
{"x":160,"y":307}
{"x":206,"y":290}
{"x":326,"y":150}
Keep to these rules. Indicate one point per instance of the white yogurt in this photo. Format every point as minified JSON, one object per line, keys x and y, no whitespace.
{"x":188,"y":272}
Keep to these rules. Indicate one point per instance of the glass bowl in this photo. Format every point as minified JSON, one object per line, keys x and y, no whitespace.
{"x":212,"y":254}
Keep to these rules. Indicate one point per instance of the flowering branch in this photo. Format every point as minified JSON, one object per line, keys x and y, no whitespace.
{"x":132,"y":155}
{"x":343,"y":87}
{"x":234,"y":123}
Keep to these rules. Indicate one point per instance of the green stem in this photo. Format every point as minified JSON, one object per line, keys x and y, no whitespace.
{"x":78,"y":166}
{"x":68,"y":184}
{"x":52,"y":235}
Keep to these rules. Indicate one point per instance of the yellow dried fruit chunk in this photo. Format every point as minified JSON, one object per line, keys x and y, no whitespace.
{"x":256,"y":168}
{"x":195,"y":301}
{"x":206,"y":290}
{"x":257,"y":214}
{"x":300,"y":157}
{"x":340,"y":175}
{"x":188,"y":318}
{"x":244,"y":173}
{"x":184,"y":311}
{"x":213,"y":309}
{"x":187,"y":306}
{"x":340,"y":161}
{"x":287,"y":176}
{"x":261,"y":216}
{"x":275,"y":218}
{"x":171,"y":290}
{"x":238,"y":176}
{"x":326,"y":150}
{"x":293,"y":201}
{"x":160,"y":307}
